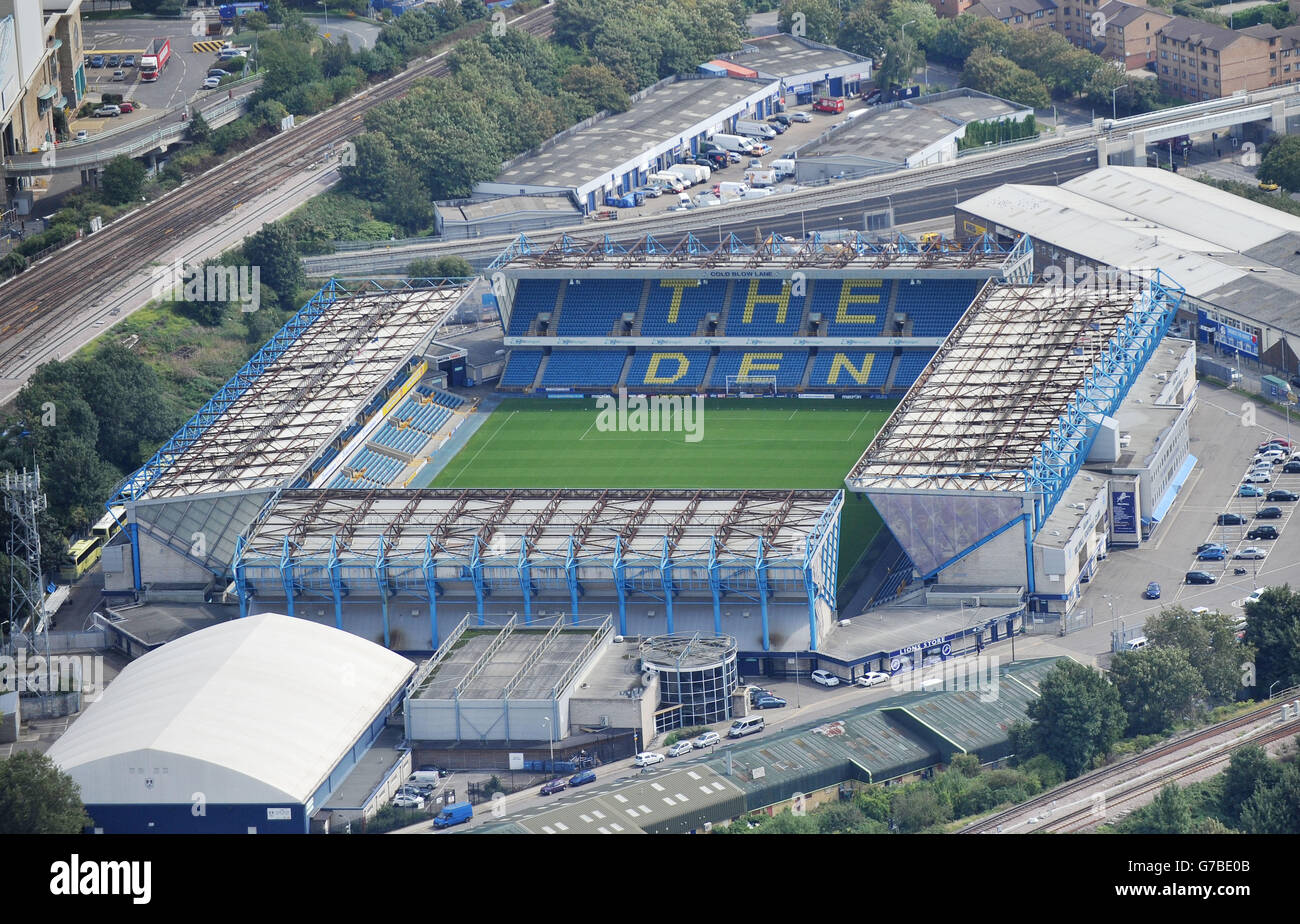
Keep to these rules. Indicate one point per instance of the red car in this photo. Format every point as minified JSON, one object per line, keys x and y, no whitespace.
{"x":126,"y":107}
{"x":1279,"y":442}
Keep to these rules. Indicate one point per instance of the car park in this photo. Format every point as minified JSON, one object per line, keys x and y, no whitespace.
{"x":1263,"y":532}
{"x":580,"y":779}
{"x":680,"y":748}
{"x":1199,"y":577}
{"x":872,"y":679}
{"x":1263,"y":477}
{"x":1282,"y":496}
{"x":648,"y":759}
{"x":1152,"y":592}
{"x":825,"y":678}
{"x":708,"y":739}
{"x":1249,"y":490}
{"x":1253,"y":552}
{"x":1268,"y":513}
{"x":1212,"y":555}
{"x":559,"y":784}
{"x":769,"y":702}
{"x":1230,"y":519}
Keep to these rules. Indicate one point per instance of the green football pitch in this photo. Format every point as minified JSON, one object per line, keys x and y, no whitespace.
{"x":744,"y":443}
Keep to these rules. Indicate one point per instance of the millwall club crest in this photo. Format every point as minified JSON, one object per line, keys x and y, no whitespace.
{"x":148,"y":782}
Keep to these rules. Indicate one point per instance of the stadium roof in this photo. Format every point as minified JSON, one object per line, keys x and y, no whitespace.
{"x":774,"y":252}
{"x":297,"y":393}
{"x":257,"y":699}
{"x":982,"y":413}
{"x":452,"y":519}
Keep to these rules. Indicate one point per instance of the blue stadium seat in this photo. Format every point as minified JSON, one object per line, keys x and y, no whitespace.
{"x":934,"y":306}
{"x":672,"y":368}
{"x":593,"y":308}
{"x":765,"y":316}
{"x":842,"y":368}
{"x":521,"y":369}
{"x":786,"y":365}
{"x":695,"y":302}
{"x":910,"y":366}
{"x":531,"y":296}
{"x":865,"y":302}
{"x":595,"y":368}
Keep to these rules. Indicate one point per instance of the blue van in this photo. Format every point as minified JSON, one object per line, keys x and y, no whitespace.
{"x":454,"y":814}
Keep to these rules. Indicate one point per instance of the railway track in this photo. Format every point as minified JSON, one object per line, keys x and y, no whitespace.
{"x":1097,"y":778}
{"x":66,"y":286}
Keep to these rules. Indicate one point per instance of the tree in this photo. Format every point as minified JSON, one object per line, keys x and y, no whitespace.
{"x":272,"y":250}
{"x":901,"y":61}
{"x":198,"y":130}
{"x":864,"y":32}
{"x":873,"y":802}
{"x":36,"y":797}
{"x":1157,"y":687}
{"x":598,"y":85}
{"x":1077,"y":716}
{"x":1209,"y":640}
{"x":1248,"y":769}
{"x":122,"y":180}
{"x":817,"y":20}
{"x":449,"y":267}
{"x":917,"y":807}
{"x":1274,"y":809}
{"x":1168,"y":813}
{"x":1273,"y":625}
{"x":914,"y":18}
{"x":1281,"y":163}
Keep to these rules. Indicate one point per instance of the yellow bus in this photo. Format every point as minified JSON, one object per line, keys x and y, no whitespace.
{"x":109,"y":525}
{"x":84,"y":554}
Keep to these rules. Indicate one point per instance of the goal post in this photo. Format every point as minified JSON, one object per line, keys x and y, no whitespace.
{"x":740,"y":385}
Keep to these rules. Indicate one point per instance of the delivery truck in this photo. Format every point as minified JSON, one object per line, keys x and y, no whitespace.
{"x":737,"y":143}
{"x":154,"y":59}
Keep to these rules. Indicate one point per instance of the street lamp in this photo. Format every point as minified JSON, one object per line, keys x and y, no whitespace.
{"x":1270,"y":688}
{"x":903,"y":28}
{"x":1058,"y":177}
{"x":1112,"y":100}
{"x":550,"y":740}
{"x":327,"y":12}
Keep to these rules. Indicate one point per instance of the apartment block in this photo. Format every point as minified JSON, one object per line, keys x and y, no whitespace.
{"x":1197,"y":60}
{"x":1132,"y":33}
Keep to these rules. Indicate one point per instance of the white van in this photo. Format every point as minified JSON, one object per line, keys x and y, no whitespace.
{"x":1135,"y":643}
{"x":746,"y":726}
{"x":734,"y":143}
{"x":756,"y":129}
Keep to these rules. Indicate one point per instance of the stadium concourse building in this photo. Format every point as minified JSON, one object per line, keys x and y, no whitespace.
{"x":1050,"y":425}
{"x":249,"y":726}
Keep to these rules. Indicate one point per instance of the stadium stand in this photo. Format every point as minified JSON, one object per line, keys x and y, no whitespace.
{"x":910,"y":365}
{"x":668,"y":368}
{"x":368,"y":469}
{"x":693,"y":305}
{"x":597,"y":368}
{"x":593,"y":307}
{"x":788,"y":366}
{"x":935,"y":305}
{"x":765,"y":308}
{"x":521,"y":369}
{"x":849,"y":368}
{"x":531,"y":297}
{"x":857,"y":308}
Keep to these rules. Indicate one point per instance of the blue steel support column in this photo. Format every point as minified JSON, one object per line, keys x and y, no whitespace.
{"x":810,"y":587}
{"x":760,"y":571}
{"x":1029,"y":553}
{"x":618,"y":585}
{"x":286,"y":576}
{"x":715,"y":585}
{"x":476,"y":574}
{"x":666,"y":579}
{"x":381,"y":578}
{"x":431,"y":588}
{"x":571,"y":573}
{"x":241,"y":584}
{"x":525,"y":580}
{"x":133,"y":533}
{"x":336,"y":581}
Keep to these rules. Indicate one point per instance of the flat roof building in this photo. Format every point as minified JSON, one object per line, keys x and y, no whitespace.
{"x":805,"y":68}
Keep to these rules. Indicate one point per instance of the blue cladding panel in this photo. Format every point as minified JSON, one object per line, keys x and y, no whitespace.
{"x":180,"y":819}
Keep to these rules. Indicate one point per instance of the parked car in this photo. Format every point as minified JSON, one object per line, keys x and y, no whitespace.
{"x":81,"y":135}
{"x":211,"y":82}
{"x":1230,"y":519}
{"x":1282,"y":496}
{"x":126,"y":106}
{"x":769,"y":702}
{"x":648,"y":759}
{"x":761,"y":148}
{"x":1271,"y":456}
{"x":113,"y":61}
{"x":1268,"y":513}
{"x":708,"y":739}
{"x":680,"y":748}
{"x":1260,"y":476}
{"x":407,"y":801}
{"x":1212,"y":555}
{"x":800,"y":117}
{"x":1275,"y":441}
{"x":1268,"y":187}
{"x":779,"y":127}
{"x":1263,"y":532}
{"x":109,"y":111}
{"x":1152,"y":592}
{"x":1210,"y":545}
{"x":872,"y":678}
{"x":559,"y":784}
{"x":96,"y":60}
{"x":1292,"y":468}
{"x":757,"y":692}
{"x":1249,"y":490}
{"x":215,"y":72}
{"x":782,"y":118}
{"x":128,"y":61}
{"x":119,"y":74}
{"x":1252,"y":552}
{"x":580,"y":779}
{"x":1200,"y":577}
{"x":825,"y":678}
